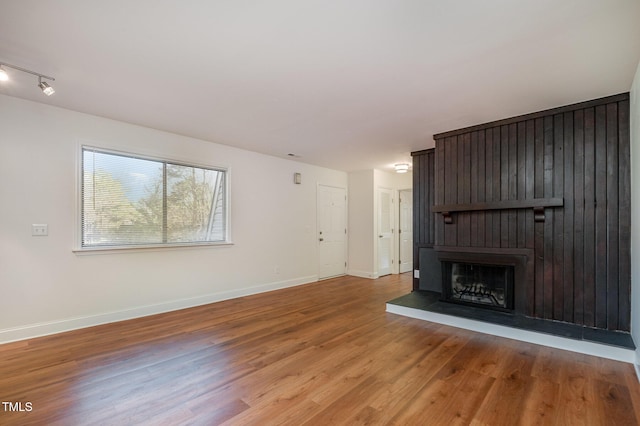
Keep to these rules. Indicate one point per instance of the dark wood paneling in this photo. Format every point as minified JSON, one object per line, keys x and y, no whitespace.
{"x":568,"y":219}
{"x":612,"y":216}
{"x":578,"y":218}
{"x":520,"y":190}
{"x":496,"y":188}
{"x":473,"y":197}
{"x":488,"y":217}
{"x":424,"y":197}
{"x":550,"y":216}
{"x":431,"y":236}
{"x":512,"y":215}
{"x":451,"y":185}
{"x":589,"y":229}
{"x":481,"y":197}
{"x":581,"y":252}
{"x":439,"y":183}
{"x":529,"y":224}
{"x":464,"y":188}
{"x":538,"y":226}
{"x":558,"y":216}
{"x":624,"y":211}
{"x":504,"y":184}
{"x":601,"y":216}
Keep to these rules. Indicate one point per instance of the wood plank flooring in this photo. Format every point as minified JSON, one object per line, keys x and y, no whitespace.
{"x":320,"y":354}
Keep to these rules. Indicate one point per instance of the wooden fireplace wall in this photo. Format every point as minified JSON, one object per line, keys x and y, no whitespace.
{"x":555,"y":182}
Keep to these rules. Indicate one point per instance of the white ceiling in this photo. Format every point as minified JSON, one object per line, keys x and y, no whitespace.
{"x":348,"y":85}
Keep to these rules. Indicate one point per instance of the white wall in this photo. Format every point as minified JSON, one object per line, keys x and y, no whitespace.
{"x":635,"y":212}
{"x":393,"y":180}
{"x":45,"y":287}
{"x":360,"y":226}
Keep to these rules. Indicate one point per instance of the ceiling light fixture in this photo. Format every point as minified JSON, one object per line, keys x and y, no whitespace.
{"x":402,"y":167}
{"x":46,"y":88}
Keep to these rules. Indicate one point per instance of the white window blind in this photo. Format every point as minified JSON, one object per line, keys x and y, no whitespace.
{"x":133,"y":201}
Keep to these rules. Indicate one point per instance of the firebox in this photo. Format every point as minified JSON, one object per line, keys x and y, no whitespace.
{"x":487,"y":286}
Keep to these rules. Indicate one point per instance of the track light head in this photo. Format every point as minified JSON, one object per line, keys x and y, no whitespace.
{"x":46,"y":89}
{"x":3,"y":74}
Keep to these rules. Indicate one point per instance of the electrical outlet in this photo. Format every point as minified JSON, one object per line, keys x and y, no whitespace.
{"x":39,"y":229}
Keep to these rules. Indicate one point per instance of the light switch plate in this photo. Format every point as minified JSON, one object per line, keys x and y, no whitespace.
{"x":39,"y":229}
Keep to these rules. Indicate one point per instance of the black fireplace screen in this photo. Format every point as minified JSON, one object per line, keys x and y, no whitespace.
{"x":484,"y":285}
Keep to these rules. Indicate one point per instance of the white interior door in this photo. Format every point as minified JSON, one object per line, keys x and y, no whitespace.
{"x":385,"y":231}
{"x":406,"y":230}
{"x":332,"y":231}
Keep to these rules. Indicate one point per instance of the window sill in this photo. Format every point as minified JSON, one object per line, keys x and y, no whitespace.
{"x":147,"y":248}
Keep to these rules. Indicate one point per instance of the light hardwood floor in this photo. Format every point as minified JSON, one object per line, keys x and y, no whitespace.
{"x":320,"y":354}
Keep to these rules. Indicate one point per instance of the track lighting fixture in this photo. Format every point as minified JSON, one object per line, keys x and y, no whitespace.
{"x":46,"y":89}
{"x":43,"y":85}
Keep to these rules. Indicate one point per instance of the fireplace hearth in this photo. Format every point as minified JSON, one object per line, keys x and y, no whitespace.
{"x":488,"y":286}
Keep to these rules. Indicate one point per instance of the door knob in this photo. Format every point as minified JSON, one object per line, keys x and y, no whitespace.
{"x":379,"y":236}
{"x":321,"y":239}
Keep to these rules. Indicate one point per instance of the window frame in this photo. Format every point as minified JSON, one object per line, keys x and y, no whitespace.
{"x":78,"y":228}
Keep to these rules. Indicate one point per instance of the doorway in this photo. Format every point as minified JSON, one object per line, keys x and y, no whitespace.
{"x":385,"y":231}
{"x":332,"y":231}
{"x":405,"y":231}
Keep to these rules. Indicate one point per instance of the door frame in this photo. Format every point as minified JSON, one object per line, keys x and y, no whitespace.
{"x":399,"y":238}
{"x":317,"y":230}
{"x":393,"y":249}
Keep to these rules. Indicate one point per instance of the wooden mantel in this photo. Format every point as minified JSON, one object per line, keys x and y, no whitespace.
{"x":538,"y":205}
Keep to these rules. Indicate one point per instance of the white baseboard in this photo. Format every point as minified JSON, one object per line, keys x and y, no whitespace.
{"x":362,"y":274}
{"x":68,"y":324}
{"x":580,"y":346}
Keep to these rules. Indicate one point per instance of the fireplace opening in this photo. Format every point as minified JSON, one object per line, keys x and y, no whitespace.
{"x":488,"y":286}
